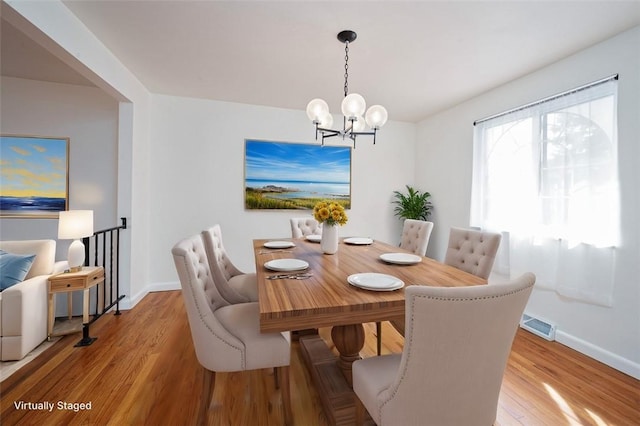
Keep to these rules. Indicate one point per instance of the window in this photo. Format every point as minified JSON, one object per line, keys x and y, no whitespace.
{"x":547,"y":173}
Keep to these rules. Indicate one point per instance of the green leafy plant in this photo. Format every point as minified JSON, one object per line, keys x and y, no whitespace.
{"x":413,"y":204}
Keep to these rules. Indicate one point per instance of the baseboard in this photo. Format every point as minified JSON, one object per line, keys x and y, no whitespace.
{"x":130,"y":302}
{"x":612,"y":360}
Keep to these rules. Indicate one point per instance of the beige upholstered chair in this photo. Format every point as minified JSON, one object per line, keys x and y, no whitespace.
{"x":234,"y":285}
{"x":415,"y":236}
{"x":456,"y":348}
{"x":226,"y":336}
{"x":472,"y":251}
{"x":303,"y":226}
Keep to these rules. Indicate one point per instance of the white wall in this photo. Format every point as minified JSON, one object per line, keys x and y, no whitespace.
{"x":53,"y":26}
{"x":197,"y":172}
{"x":444,"y":154}
{"x":89,"y":119}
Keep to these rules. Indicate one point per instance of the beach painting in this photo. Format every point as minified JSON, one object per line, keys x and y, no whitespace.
{"x":34,"y":182}
{"x":280,"y":175}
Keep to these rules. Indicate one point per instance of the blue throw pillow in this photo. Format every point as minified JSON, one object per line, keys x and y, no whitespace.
{"x":13,"y":268}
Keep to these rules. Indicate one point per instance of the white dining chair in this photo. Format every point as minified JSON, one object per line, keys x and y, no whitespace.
{"x":303,"y":226}
{"x":416,"y":235}
{"x":456,"y":348}
{"x":226,"y":336}
{"x":470,"y":250}
{"x":415,"y":238}
{"x":234,"y":285}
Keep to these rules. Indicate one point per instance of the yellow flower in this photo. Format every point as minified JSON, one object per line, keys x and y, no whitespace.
{"x":330,"y":212}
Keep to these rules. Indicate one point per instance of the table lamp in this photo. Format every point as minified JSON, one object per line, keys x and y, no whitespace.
{"x":74,"y":225}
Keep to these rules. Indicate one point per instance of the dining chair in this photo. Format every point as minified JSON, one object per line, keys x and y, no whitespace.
{"x":415,"y":238}
{"x":226,"y":336}
{"x":234,"y":285}
{"x":469,"y":250}
{"x":472,"y":251}
{"x":450,"y":370}
{"x":303,"y":226}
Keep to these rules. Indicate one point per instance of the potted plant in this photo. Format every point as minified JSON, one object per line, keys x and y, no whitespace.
{"x":412,"y":205}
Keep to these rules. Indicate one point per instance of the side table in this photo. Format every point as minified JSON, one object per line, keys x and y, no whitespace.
{"x":68,"y":282}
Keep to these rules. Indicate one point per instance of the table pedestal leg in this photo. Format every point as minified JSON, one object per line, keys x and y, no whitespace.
{"x":331,"y":374}
{"x":349,"y":340}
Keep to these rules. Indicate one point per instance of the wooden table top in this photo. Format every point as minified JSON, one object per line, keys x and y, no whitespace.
{"x":326,"y":299}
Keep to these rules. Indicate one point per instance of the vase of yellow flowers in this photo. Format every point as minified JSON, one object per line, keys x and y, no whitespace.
{"x":330,"y":214}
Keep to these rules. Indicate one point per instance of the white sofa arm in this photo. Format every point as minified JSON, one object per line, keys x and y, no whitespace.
{"x":24,"y":316}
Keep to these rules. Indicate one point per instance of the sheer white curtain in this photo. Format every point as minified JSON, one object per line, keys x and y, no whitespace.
{"x":546,"y":175}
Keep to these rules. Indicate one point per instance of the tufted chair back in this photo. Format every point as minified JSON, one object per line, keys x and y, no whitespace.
{"x":456,"y":348}
{"x":303,"y":226}
{"x":222,"y":269}
{"x":472,"y":251}
{"x":415,"y":236}
{"x":202,"y":299}
{"x":226,"y":336}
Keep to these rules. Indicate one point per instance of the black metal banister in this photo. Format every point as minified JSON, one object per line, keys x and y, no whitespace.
{"x":112,"y":297}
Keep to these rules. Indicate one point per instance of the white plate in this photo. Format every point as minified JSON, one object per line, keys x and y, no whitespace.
{"x":286,"y":265}
{"x":358,"y":241}
{"x":279,"y":244}
{"x":401,"y":258}
{"x":314,"y":238}
{"x":375,"y":281}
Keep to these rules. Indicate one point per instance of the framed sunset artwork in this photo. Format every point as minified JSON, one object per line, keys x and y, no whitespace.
{"x":282,"y":175}
{"x":34,"y":182}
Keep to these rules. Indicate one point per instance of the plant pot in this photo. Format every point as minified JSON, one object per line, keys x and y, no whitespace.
{"x":329,"y":241}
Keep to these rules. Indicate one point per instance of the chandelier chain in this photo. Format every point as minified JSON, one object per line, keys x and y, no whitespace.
{"x":346,"y":68}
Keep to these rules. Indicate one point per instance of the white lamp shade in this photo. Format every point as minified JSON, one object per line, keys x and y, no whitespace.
{"x":353,"y":105}
{"x":376,"y":116}
{"x":317,"y":109}
{"x":74,"y":224}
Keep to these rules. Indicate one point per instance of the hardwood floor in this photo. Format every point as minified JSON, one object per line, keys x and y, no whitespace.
{"x":143,"y":370}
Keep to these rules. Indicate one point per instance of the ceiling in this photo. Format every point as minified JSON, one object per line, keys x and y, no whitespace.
{"x":415,"y":58}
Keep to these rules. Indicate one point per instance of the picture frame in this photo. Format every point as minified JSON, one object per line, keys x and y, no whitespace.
{"x":35,"y":176}
{"x":295,"y":176}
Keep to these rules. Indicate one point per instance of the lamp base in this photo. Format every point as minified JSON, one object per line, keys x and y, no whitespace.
{"x":76,"y":256}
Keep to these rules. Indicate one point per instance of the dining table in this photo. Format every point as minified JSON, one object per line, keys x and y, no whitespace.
{"x":301,"y":288}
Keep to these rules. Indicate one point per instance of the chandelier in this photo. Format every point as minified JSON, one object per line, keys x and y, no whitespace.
{"x":355,"y":121}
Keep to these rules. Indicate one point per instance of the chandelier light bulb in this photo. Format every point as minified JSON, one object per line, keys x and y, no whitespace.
{"x":353,"y":105}
{"x":359,"y":124}
{"x":317,"y":109}
{"x":326,"y":121}
{"x":376,"y":116}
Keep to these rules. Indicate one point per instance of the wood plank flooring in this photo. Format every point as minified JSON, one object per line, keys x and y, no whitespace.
{"x":142,"y":370}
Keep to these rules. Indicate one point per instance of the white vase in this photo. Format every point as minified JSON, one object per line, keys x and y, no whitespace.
{"x":329,"y":241}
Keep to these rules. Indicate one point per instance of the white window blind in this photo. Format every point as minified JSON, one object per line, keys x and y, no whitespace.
{"x":546,"y":175}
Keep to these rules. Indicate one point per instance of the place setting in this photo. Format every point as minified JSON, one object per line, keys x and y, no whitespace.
{"x":276,"y":246}
{"x":314,"y":238}
{"x":358,"y":241}
{"x":292,"y":266}
{"x":400,"y":258}
{"x":375,"y":281}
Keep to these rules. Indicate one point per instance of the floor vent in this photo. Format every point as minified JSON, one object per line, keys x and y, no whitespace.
{"x":538,"y":327}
